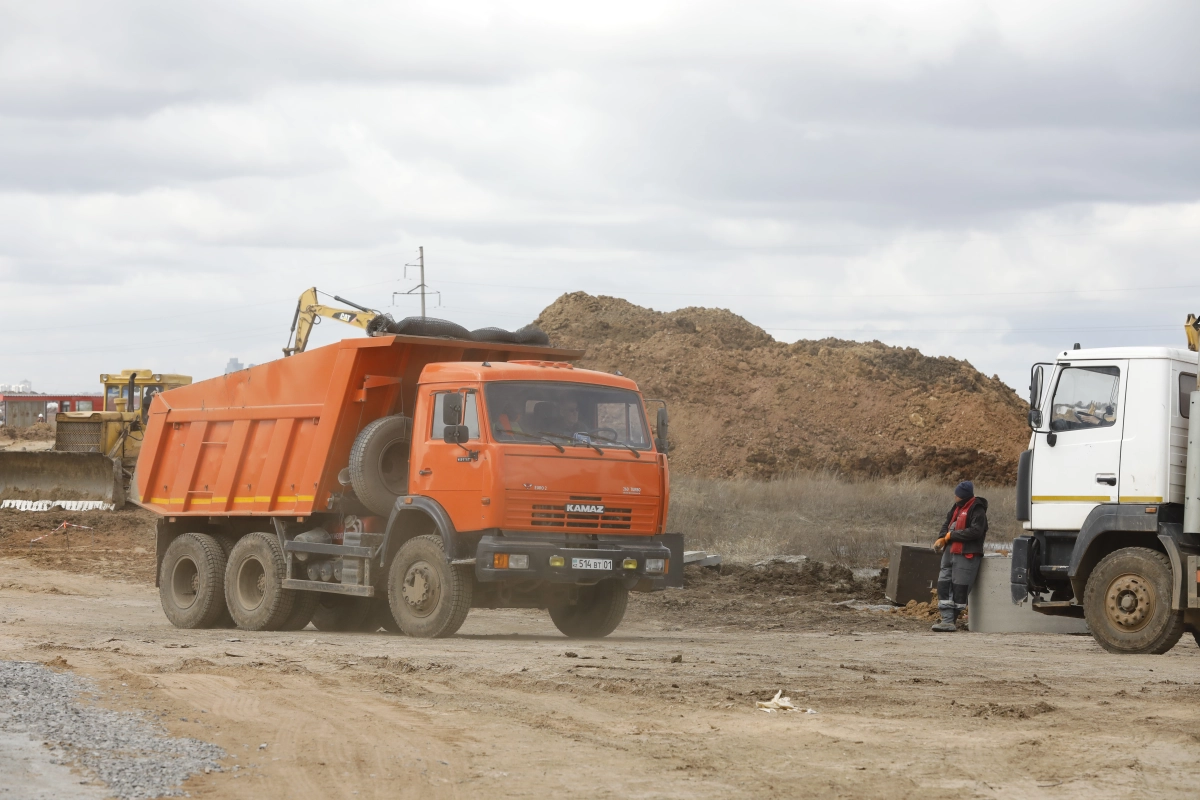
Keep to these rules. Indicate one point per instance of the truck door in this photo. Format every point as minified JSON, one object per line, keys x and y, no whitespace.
{"x":1077,"y":455}
{"x":447,"y":472}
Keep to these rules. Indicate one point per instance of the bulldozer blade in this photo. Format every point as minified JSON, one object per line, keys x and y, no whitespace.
{"x":54,"y":476}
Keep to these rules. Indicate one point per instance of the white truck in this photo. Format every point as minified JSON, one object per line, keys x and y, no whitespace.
{"x":1109,"y":496}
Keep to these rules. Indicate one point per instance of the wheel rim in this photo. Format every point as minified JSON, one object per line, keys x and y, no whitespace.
{"x":422,"y":589}
{"x":393,"y":467}
{"x":251,"y":584}
{"x":1129,"y":602}
{"x":185,"y":583}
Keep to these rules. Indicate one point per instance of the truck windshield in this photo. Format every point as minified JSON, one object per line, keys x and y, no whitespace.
{"x":524,"y":411}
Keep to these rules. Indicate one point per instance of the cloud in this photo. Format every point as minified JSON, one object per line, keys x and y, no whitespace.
{"x":172,"y":176}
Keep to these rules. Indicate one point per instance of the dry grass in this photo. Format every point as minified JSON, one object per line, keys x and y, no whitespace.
{"x":822,"y":516}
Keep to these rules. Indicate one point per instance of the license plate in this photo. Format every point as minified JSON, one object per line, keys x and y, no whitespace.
{"x":591,"y":563}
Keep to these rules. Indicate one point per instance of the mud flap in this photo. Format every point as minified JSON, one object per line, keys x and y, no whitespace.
{"x":1024,"y":566}
{"x":55,"y":476}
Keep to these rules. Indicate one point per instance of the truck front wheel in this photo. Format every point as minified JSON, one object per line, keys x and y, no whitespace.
{"x":191,"y":582}
{"x":429,"y":596}
{"x":1127,"y":603}
{"x":254,"y":584}
{"x":596,"y":612}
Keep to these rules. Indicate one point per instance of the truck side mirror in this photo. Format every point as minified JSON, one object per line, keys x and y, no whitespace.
{"x":456,"y":434}
{"x":452,"y":410}
{"x":1035,"y":397}
{"x":660,"y":432}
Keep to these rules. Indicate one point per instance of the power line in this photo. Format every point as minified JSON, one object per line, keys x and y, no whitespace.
{"x":1021,"y":293}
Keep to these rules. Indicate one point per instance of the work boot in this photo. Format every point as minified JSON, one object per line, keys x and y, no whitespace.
{"x":949,"y":617}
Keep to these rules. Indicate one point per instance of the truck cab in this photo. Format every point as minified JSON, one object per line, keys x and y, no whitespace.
{"x":1101,"y":492}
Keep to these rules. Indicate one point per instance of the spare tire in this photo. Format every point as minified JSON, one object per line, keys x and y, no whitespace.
{"x":428,"y":326}
{"x":531,"y":334}
{"x":494,"y":335}
{"x":379,"y":463}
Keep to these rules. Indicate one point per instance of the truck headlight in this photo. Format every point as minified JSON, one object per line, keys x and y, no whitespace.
{"x":656,"y":565}
{"x":557,"y":561}
{"x":518,"y":562}
{"x":629,"y":563}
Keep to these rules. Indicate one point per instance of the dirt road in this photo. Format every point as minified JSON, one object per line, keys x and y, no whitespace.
{"x":509,"y":708}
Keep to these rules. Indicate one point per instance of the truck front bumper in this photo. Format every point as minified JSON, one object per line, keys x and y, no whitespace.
{"x":628,"y":560}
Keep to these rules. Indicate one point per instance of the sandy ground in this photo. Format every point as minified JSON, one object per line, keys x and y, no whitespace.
{"x":509,"y":708}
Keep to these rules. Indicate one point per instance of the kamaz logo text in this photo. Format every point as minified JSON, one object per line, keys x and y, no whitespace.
{"x":584,"y":508}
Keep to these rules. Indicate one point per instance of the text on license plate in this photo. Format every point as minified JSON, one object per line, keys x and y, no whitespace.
{"x":591,"y":563}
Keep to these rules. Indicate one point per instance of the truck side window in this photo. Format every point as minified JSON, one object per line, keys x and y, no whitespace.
{"x":1187,"y":385}
{"x":470,"y":415}
{"x":1086,"y":397}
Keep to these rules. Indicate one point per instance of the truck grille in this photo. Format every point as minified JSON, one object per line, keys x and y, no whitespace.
{"x":621,"y":514}
{"x":549,"y":516}
{"x":78,"y":437}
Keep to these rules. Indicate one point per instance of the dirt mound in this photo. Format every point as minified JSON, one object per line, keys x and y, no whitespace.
{"x":743,"y":404}
{"x":37,"y":432}
{"x":778,"y":596}
{"x":113,"y":544}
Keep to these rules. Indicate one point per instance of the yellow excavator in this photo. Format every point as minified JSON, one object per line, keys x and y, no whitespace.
{"x":94,"y":452}
{"x":309,"y":312}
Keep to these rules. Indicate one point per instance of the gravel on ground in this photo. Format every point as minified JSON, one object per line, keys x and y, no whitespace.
{"x":133,"y":755}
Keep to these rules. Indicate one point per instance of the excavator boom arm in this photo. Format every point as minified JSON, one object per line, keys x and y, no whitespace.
{"x":307,"y":311}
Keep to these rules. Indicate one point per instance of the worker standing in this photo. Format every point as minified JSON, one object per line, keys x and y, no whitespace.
{"x":961,"y":545}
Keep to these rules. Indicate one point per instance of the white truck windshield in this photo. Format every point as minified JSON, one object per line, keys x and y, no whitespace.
{"x":529,"y":411}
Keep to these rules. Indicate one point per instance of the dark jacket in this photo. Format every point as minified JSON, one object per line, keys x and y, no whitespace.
{"x":973,"y":535}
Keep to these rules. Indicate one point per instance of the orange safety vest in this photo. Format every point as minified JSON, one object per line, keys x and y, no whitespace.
{"x":958,"y":522}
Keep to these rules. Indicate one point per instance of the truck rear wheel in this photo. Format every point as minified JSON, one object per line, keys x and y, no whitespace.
{"x":596,"y":613}
{"x":191,"y":581}
{"x":379,"y":463}
{"x":336,"y":613}
{"x":1127,"y":603}
{"x":429,"y":597}
{"x":254,"y":584}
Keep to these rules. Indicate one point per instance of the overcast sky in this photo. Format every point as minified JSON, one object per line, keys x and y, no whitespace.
{"x":992,"y":181}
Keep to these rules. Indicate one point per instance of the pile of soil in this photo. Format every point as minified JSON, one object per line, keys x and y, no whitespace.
{"x":745,"y":405}
{"x":37,"y":432}
{"x":112,"y":544}
{"x":810,"y":595}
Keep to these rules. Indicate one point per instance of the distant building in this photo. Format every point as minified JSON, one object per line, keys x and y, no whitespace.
{"x":20,"y":410}
{"x":233,"y":366}
{"x":24,"y":387}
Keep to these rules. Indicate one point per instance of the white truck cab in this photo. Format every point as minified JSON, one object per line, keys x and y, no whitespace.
{"x":1101,"y":491}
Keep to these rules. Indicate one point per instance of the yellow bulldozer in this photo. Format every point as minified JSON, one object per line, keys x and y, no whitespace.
{"x":94,"y":453}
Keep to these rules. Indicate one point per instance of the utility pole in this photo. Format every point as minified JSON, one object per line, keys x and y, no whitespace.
{"x":422,"y":287}
{"x":421,"y":261}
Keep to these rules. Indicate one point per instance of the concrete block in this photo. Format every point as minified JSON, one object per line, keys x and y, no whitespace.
{"x":992,"y":610}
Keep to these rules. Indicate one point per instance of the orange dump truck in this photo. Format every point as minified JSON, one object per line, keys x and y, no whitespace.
{"x":400,"y":481}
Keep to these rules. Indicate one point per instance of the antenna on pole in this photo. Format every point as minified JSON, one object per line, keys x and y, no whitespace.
{"x":421,"y":287}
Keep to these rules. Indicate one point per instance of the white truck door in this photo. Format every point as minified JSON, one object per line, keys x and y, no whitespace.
{"x":1080,"y":469}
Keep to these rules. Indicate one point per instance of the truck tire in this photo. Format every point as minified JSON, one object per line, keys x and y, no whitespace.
{"x":597,"y":613}
{"x":191,"y":581}
{"x":428,"y":596}
{"x":302,"y":612}
{"x":254,"y":584}
{"x":224,"y":620}
{"x":379,"y":463}
{"x":1127,"y":603}
{"x":336,"y":613}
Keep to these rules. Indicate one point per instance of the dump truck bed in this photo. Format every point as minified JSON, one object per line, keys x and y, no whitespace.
{"x":271,"y":439}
